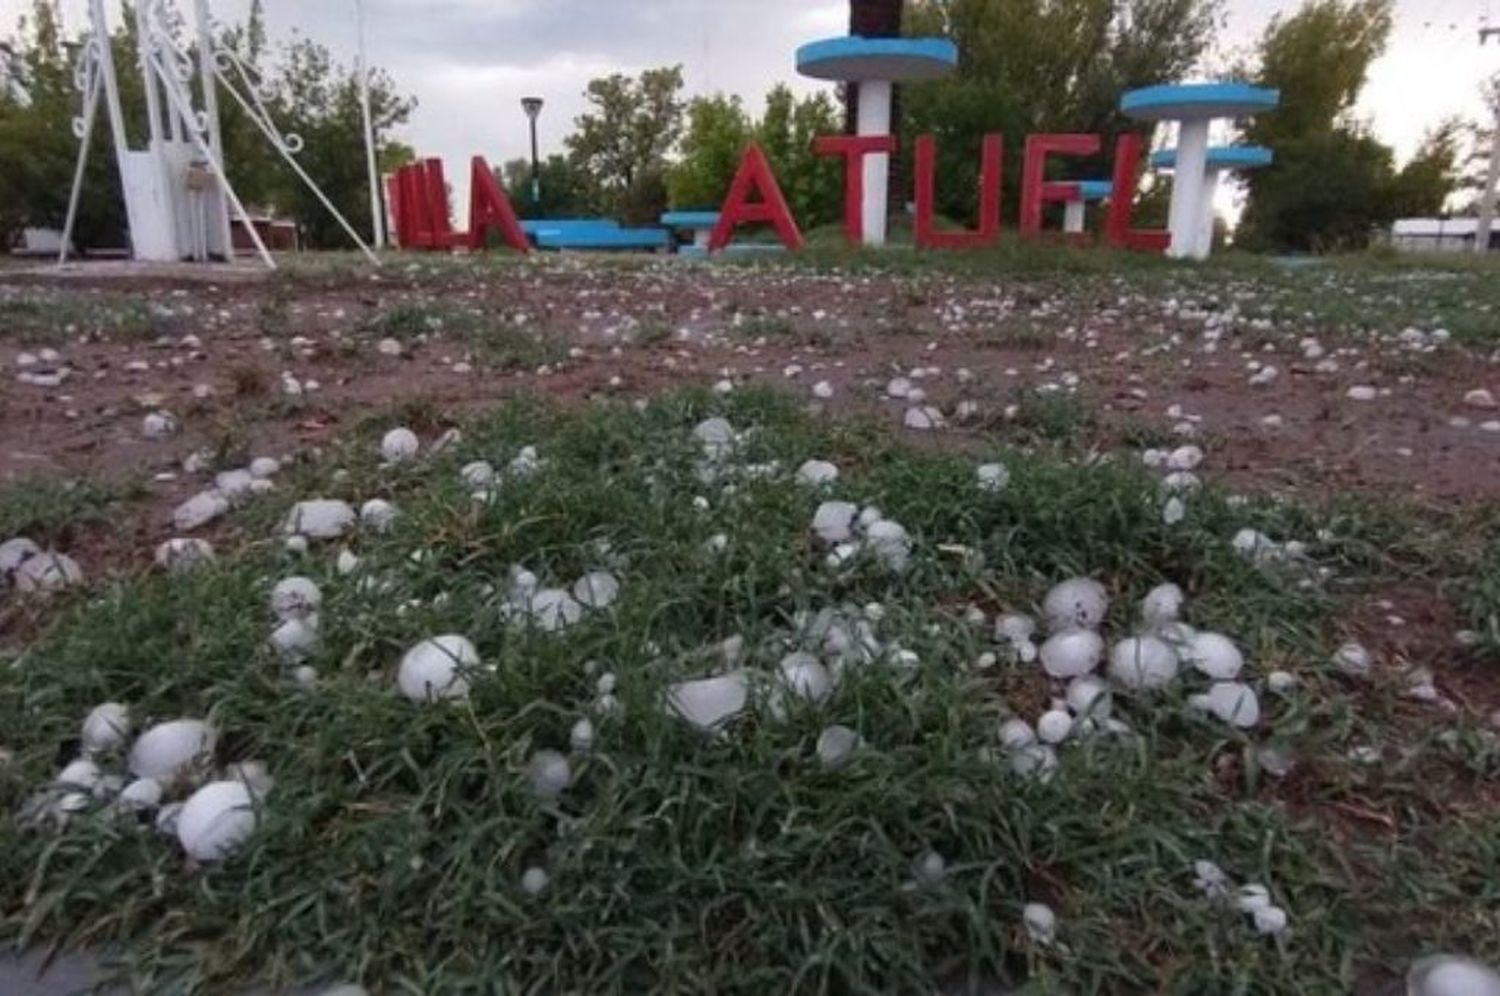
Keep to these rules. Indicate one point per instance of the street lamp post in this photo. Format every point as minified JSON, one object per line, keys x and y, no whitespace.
{"x":533,"y":108}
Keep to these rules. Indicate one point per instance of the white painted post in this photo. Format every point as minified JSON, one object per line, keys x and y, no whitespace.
{"x":362,"y":66}
{"x":1187,"y":189}
{"x":218,"y":207}
{"x":1205,"y":245}
{"x":875,"y":119}
{"x":1073,"y":214}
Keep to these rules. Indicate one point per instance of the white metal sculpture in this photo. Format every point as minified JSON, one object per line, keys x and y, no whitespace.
{"x":177,"y":192}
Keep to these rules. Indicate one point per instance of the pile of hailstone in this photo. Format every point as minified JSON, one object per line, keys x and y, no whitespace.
{"x":34,"y":571}
{"x":849,"y":530}
{"x":231,"y":488}
{"x":553,"y":609}
{"x":1253,"y":899}
{"x":1163,"y":652}
{"x":165,"y":775}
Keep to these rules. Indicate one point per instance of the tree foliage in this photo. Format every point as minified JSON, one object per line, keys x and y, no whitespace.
{"x":1333,"y":183}
{"x":565,"y":192}
{"x":1030,"y":66}
{"x":623,"y":141}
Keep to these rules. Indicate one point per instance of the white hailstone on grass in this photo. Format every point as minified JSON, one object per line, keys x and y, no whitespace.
{"x":891,"y":544}
{"x":478,"y":474}
{"x":1181,"y":482}
{"x":836,"y":744}
{"x":553,"y":609}
{"x":180,"y":555}
{"x":1232,"y":702}
{"x":398,"y":445}
{"x":534,"y":881}
{"x":816,"y":472}
{"x":305,"y":677}
{"x":347,"y":562}
{"x":606,"y":684}
{"x":1452,"y":975}
{"x":1077,"y":602}
{"x":255,"y":774}
{"x":1173,"y":511}
{"x":1354,"y":660}
{"x":1211,"y":879}
{"x":1072,"y":653}
{"x":199,"y":510}
{"x":549,"y":774}
{"x":898,"y":387}
{"x":169,"y":750}
{"x":868,"y":516}
{"x":1017,"y":734}
{"x":81,"y":774}
{"x":710,"y":703}
{"x":526,"y":462}
{"x":15,"y":552}
{"x":993,"y":477}
{"x":1088,"y":698}
{"x":264,"y":467}
{"x":1184,"y":458}
{"x":1040,"y":923}
{"x":1361,"y":392}
{"x":295,"y":545}
{"x":834,"y":521}
{"x":1269,"y":921}
{"x":597,"y":589}
{"x":929,"y":869}
{"x":295,"y":598}
{"x":1215,"y":655}
{"x":216,"y":820}
{"x":581,"y":736}
{"x":1480,"y":398}
{"x":1037,"y":761}
{"x":435,"y":669}
{"x":716,"y":435}
{"x":106,"y":728}
{"x":1252,"y":897}
{"x":1281,"y":682}
{"x":158,"y":425}
{"x":804,"y":676}
{"x":141,"y":795}
{"x":378,"y":514}
{"x":1162,"y":605}
{"x":296,"y":639}
{"x":320,"y":518}
{"x":1014,"y":628}
{"x":923,"y":419}
{"x":822,"y":389}
{"x":717,"y":543}
{"x":1143,"y":663}
{"x":48,"y":573}
{"x":1054,"y":726}
{"x":234,"y":484}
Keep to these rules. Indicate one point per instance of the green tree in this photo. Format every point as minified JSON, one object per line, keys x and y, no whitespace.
{"x":1029,"y":66}
{"x":565,"y":193}
{"x":622,"y":143}
{"x":718,"y":131}
{"x":1424,"y":185}
{"x":1332,"y":183}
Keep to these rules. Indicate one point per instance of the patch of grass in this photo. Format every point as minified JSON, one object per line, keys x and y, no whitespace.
{"x":392,"y":846}
{"x":48,"y":509}
{"x":1051,"y":416}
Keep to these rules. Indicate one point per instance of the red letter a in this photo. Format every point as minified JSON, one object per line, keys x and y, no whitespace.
{"x":490,"y":208}
{"x":989,"y":198}
{"x":754,"y":175}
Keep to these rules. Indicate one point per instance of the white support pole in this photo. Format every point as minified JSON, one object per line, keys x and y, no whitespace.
{"x":100,"y":29}
{"x":154,"y":76}
{"x":208,"y":77}
{"x":875,"y":119}
{"x":1187,"y":189}
{"x":1073,"y":215}
{"x":90,"y":117}
{"x":1205,"y":245}
{"x":362,"y":66}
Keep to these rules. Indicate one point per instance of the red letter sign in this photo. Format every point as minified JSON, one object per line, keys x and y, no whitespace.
{"x":854,"y":148}
{"x":1033,"y":190}
{"x":1127,"y":173}
{"x":990,"y":180}
{"x":754,"y":175}
{"x":490,"y":208}
{"x":439,"y":214}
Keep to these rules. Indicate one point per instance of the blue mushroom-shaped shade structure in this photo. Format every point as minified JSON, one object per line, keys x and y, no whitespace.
{"x":1194,"y":106}
{"x":1221,"y":159}
{"x":873,"y":65}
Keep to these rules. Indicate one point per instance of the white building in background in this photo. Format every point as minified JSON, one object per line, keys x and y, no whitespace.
{"x":1439,"y":235}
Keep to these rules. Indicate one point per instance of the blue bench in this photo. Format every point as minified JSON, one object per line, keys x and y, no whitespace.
{"x":591,"y":233}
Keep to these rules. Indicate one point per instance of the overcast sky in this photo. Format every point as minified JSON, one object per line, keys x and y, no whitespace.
{"x":470,"y":61}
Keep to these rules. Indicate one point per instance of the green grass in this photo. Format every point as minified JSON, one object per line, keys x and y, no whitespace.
{"x":495,"y":339}
{"x":392,"y":846}
{"x":54,"y":316}
{"x":47,"y":509}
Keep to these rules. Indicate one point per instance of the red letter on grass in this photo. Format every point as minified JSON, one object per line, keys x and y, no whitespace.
{"x":854,"y":148}
{"x":1122,"y":202}
{"x":490,"y":208}
{"x":990,"y":180}
{"x":439,"y":214}
{"x":754,"y":176}
{"x":1033,"y":188}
